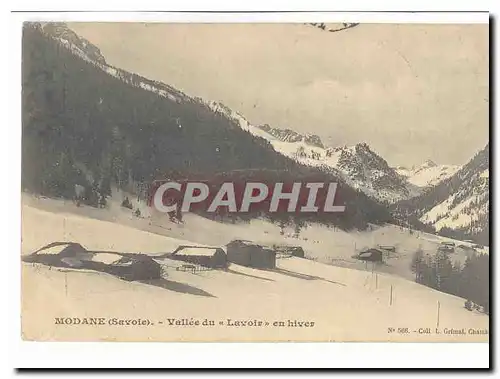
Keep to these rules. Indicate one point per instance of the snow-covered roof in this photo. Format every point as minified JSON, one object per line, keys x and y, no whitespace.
{"x":107,"y":258}
{"x":250,"y":243}
{"x":386,"y":247}
{"x":286,"y":247}
{"x":53,"y":250}
{"x":197,"y":251}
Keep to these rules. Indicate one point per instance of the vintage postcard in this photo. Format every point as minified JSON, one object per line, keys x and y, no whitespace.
{"x":250,"y":182}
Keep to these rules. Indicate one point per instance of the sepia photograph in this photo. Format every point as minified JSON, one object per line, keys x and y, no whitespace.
{"x":255,"y":182}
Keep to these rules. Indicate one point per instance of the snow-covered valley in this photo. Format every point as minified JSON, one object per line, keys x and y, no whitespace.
{"x":348,"y":303}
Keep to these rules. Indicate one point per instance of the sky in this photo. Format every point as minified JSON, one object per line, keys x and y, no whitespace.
{"x":411,"y":91}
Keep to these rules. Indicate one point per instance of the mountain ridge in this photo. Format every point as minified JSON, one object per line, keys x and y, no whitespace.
{"x":387,"y":185}
{"x":428,"y":174}
{"x":459,"y":205}
{"x":358,"y":166}
{"x":140,"y":135}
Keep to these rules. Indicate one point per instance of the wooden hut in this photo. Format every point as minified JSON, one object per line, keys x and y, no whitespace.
{"x":213,"y":257}
{"x":247,"y":253}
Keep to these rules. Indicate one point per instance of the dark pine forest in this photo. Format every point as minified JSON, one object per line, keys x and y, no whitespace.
{"x":84,"y":126}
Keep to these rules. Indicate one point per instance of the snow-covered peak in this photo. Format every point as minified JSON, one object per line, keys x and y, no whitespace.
{"x":359,"y":166}
{"x":288,"y":135}
{"x":461,"y":202}
{"x":428,"y":174}
{"x":428,"y":163}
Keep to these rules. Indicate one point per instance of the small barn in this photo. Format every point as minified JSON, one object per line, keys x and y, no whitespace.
{"x":371,"y":255}
{"x":247,"y":253}
{"x":127,"y":266}
{"x":213,"y":257}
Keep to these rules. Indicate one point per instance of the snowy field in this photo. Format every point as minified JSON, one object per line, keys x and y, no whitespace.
{"x":323,"y":244}
{"x":345,"y":304}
